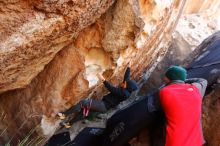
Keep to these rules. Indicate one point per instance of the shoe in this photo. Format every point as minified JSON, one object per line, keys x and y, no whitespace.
{"x":61,"y":116}
{"x":101,"y":116}
{"x":66,"y":125}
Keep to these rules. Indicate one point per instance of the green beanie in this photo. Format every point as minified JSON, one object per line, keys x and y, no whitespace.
{"x":176,"y":73}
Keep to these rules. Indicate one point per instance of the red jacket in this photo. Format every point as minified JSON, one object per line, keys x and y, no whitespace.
{"x":182,"y":105}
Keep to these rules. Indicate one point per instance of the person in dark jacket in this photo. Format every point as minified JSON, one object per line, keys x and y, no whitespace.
{"x":116,"y":95}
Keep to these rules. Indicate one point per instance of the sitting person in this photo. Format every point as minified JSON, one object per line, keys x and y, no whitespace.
{"x":116,"y":95}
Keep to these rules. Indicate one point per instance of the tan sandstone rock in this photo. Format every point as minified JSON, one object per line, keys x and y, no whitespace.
{"x":32,"y":32}
{"x":43,"y":52}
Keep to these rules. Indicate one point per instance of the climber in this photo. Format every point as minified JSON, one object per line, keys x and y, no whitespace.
{"x":181,"y":101}
{"x":116,"y":95}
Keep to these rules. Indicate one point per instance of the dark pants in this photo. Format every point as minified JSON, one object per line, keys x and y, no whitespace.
{"x":96,"y":106}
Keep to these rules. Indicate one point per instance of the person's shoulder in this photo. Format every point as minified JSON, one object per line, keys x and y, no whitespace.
{"x":125,"y":92}
{"x":163,"y":89}
{"x":162,"y":92}
{"x":168,"y":88}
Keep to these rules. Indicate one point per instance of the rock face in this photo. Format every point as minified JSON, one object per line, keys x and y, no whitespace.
{"x":211,"y":118}
{"x":197,"y":6}
{"x":51,"y":51}
{"x":48,"y":51}
{"x":32,"y":32}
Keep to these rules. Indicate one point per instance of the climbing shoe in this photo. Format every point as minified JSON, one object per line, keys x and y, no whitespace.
{"x":61,"y":116}
{"x":101,"y":116}
{"x":66,"y":125}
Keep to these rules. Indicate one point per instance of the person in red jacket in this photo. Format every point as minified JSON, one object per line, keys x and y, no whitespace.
{"x":181,"y":101}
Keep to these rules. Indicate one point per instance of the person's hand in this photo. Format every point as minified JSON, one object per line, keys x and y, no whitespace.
{"x":101,"y":77}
